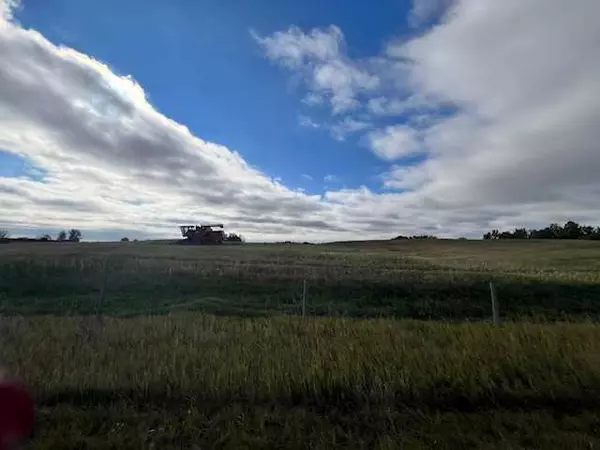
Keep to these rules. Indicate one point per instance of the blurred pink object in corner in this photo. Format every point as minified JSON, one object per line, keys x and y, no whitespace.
{"x":16,"y":412}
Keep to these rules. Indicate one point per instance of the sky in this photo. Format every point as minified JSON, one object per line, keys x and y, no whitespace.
{"x":298,"y":120}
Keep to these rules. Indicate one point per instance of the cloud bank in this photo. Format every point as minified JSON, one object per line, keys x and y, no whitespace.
{"x":501,"y":98}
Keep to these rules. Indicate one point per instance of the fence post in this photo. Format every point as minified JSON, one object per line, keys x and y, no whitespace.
{"x":495,"y":316}
{"x":304,"y":298}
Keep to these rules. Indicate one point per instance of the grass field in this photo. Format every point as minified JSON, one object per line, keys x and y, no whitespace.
{"x":161,"y":370}
{"x":411,"y":279}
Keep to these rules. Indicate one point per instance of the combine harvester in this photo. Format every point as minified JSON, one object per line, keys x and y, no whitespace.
{"x":202,"y":234}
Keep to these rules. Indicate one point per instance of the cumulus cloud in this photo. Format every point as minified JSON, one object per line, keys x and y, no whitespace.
{"x":523,"y":75}
{"x":394,"y":141}
{"x":347,"y":126}
{"x":110,"y":159}
{"x":339,"y":130}
{"x":503,"y":98}
{"x":319,"y":56}
{"x":7,"y":8}
{"x":405,"y":177}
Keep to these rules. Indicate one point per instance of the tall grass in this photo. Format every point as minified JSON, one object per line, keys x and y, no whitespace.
{"x":166,"y":380}
{"x":421,"y":281}
{"x":198,"y":367}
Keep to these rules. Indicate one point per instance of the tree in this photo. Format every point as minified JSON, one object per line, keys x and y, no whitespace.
{"x":74,"y":235}
{"x":587,"y":232}
{"x":62,"y":236}
{"x":125,"y":239}
{"x":45,"y":237}
{"x":543,"y":233}
{"x":572,"y":230}
{"x":556,"y":230}
{"x":490,"y":235}
{"x":232,"y":237}
{"x":520,"y":233}
{"x":4,"y":233}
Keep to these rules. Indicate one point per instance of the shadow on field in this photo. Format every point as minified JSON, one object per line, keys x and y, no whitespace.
{"x":247,"y":298}
{"x":341,"y":398}
{"x":29,"y":288}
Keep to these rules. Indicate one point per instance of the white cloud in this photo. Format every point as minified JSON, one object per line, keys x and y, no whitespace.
{"x":515,"y":139}
{"x":112,"y":160}
{"x":312,"y":99}
{"x":395,"y":106}
{"x":307,"y":122}
{"x":307,"y":177}
{"x":339,"y":130}
{"x":424,"y":10}
{"x":7,"y":8}
{"x":319,"y":56}
{"x":517,"y":147}
{"x":382,"y":106}
{"x":405,"y":177}
{"x":330,"y":178}
{"x":523,"y":75}
{"x":394,"y":142}
{"x":294,"y":48}
{"x":347,"y":126}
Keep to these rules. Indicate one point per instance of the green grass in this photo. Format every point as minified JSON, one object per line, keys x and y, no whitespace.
{"x":203,"y":346}
{"x":421,"y":280}
{"x":299,"y":383}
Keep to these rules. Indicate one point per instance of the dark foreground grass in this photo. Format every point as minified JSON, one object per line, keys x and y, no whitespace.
{"x":161,"y":379}
{"x":284,"y":382}
{"x":420,"y":280}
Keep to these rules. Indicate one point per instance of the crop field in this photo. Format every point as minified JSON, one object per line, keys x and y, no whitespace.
{"x":145,"y":345}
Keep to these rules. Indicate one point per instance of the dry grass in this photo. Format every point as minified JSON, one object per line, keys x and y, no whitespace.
{"x":363,"y":383}
{"x":421,"y":280}
{"x":162,"y":379}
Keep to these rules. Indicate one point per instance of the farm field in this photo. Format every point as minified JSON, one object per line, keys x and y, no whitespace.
{"x":406,"y":279}
{"x":204,"y":347}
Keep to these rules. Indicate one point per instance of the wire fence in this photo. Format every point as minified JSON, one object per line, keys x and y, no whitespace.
{"x":120,"y":287}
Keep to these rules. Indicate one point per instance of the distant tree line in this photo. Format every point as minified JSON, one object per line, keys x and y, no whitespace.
{"x":570,"y":230}
{"x":73,"y":235}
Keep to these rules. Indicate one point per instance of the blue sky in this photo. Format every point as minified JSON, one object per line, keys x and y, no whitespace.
{"x":338,"y":119}
{"x":212,"y":76}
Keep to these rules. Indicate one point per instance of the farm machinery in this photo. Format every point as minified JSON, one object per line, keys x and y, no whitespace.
{"x":202,"y":234}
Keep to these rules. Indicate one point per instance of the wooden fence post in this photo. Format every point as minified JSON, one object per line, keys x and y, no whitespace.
{"x":495,"y":315}
{"x":304,"y":298}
